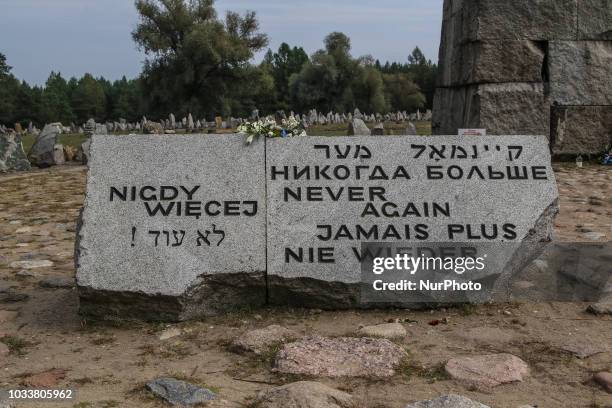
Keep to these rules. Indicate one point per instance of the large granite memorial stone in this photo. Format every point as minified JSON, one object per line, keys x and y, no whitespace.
{"x":327,"y":196}
{"x":172,"y":227}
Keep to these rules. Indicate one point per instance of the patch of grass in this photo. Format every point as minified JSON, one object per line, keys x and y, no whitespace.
{"x":174,"y":350}
{"x":16,"y":344}
{"x":84,"y":404}
{"x":83,"y":380}
{"x":468,"y":309}
{"x":409,"y":368}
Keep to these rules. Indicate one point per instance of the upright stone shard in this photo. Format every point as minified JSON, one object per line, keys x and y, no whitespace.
{"x":44,"y":152}
{"x":12,"y":156}
{"x":327,"y":196}
{"x":173,"y":229}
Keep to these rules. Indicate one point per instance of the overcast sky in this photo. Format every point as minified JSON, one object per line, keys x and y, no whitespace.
{"x":78,"y":36}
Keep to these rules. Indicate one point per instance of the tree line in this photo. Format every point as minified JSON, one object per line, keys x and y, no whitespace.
{"x":201,"y":63}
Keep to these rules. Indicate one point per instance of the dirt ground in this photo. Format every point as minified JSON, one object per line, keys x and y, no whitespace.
{"x":108,"y":364}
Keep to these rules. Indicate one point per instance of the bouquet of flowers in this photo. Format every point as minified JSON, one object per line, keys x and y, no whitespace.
{"x":269,"y":128}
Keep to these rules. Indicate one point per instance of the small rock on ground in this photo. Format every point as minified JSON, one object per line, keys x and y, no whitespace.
{"x":31,"y":264}
{"x":259,"y":341}
{"x":8,"y":295}
{"x":4,"y":350}
{"x":178,"y":392}
{"x":47,"y":379}
{"x":605,"y":380}
{"x":170,"y":332}
{"x":583,"y":350}
{"x":7,"y":316}
{"x":303,"y":394}
{"x":340,"y":357}
{"x":448,"y":401}
{"x":487,"y":370}
{"x":56,"y":282}
{"x":600,"y":308}
{"x":387,"y":331}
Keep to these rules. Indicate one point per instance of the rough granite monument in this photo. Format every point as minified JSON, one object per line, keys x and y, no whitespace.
{"x":326,"y":196}
{"x":528,"y":67}
{"x":196,"y":225}
{"x":174,"y":229}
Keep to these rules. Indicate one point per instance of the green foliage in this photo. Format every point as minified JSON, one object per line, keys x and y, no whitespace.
{"x":202,"y":64}
{"x":56,"y":100}
{"x":195,"y":58}
{"x":282,"y":65}
{"x":89,"y":99}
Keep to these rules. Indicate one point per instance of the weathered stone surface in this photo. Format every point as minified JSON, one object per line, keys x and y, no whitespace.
{"x":57,"y":282}
{"x":46,"y":379}
{"x":411,"y":129}
{"x":152,"y":128}
{"x":180,"y":393}
{"x":580,"y":72}
{"x":340,"y":357}
{"x":581,"y":129}
{"x":600,"y":308}
{"x":211,"y":256}
{"x":378,"y":130}
{"x":502,"y":109}
{"x":259,"y":341}
{"x":448,"y":401}
{"x":583,"y":349}
{"x":492,"y":62}
{"x":12,"y":156}
{"x":488,"y":370}
{"x":387,"y":331}
{"x":43,"y":152}
{"x":605,"y":380}
{"x":594,"y":20}
{"x":516,"y":20}
{"x":33,"y":264}
{"x":357,"y":127}
{"x":303,"y":394}
{"x":307,"y":212}
{"x":84,"y":151}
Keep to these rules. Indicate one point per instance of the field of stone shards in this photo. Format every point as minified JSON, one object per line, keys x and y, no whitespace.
{"x":508,"y":355}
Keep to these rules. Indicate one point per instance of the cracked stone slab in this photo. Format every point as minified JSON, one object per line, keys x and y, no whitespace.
{"x":173,"y":227}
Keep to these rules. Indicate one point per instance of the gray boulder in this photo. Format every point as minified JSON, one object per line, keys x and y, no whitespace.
{"x":411,"y":129}
{"x":84,"y":152}
{"x":303,"y":394}
{"x":45,"y":151}
{"x":378,"y":130}
{"x":357,"y":127}
{"x":448,"y":401}
{"x":12,"y":156}
{"x":179,"y":393}
{"x":259,"y":341}
{"x":101,"y":129}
